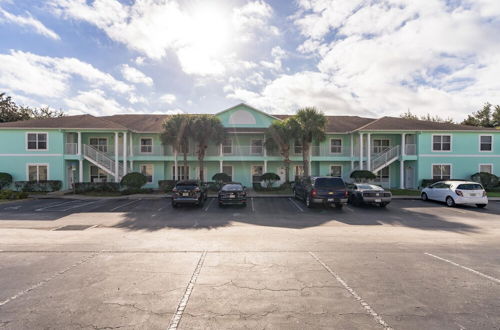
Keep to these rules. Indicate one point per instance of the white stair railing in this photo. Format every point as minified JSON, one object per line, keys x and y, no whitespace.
{"x":385,"y":159}
{"x":101,"y":159}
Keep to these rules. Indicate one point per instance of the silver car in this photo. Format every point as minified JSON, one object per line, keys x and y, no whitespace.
{"x":364,"y":193}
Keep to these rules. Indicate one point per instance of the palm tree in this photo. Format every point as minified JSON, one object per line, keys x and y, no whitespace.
{"x":206,"y":129}
{"x":176,"y":132}
{"x":279,"y":135}
{"x":309,"y":125}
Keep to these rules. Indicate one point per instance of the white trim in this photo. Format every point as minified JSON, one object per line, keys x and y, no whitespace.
{"x":152,"y":171}
{"x":26,"y":141}
{"x":487,"y":164}
{"x":37,"y":171}
{"x":31,"y":155}
{"x":459,"y":155}
{"x":451,"y":142}
{"x":140,"y":145}
{"x":441,"y":164}
{"x":341,"y":169}
{"x":341,"y":146}
{"x":479,"y":141}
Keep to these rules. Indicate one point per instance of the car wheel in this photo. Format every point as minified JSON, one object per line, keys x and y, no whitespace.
{"x":174,"y":204}
{"x":309,"y":203}
{"x":356,"y":201}
{"x":481,"y":205}
{"x":295,"y":194}
{"x":383,"y":204}
{"x":424,"y":197}
{"x":339,"y":206}
{"x":221,"y":205}
{"x":449,"y":201}
{"x":244,"y":204}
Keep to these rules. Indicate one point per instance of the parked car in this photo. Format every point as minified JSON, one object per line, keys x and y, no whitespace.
{"x":456,"y":192}
{"x":364,"y":193}
{"x":189,"y":192}
{"x":232,"y":193}
{"x":321,"y":190}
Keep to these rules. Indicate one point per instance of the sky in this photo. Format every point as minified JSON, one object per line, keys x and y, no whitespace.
{"x":352,"y":57}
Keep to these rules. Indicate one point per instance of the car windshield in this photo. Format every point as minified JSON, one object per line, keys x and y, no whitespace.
{"x":187,"y":184}
{"x":369,"y":186}
{"x":329,"y":183}
{"x":470,"y":186}
{"x":232,"y":187}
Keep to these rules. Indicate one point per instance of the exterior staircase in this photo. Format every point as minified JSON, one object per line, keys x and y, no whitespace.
{"x":385,"y":159}
{"x":101,"y":160}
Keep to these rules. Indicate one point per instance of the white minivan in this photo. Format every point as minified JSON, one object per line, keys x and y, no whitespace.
{"x":456,"y":192}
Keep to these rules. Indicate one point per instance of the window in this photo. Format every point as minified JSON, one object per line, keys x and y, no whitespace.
{"x":38,"y":172}
{"x":488,"y":168}
{"x":228,"y":169}
{"x":441,"y":172}
{"x":335,"y":146}
{"x":36,"y":141}
{"x":257,"y":171}
{"x":97,"y":175}
{"x":383,"y":175}
{"x":381,"y":145}
{"x":297,"y":147}
{"x":485,"y":143}
{"x":227,"y":146}
{"x":100,"y":144}
{"x":147,"y":170}
{"x":299,"y":170}
{"x":146,"y":145}
{"x":336,"y":170}
{"x":441,"y":143}
{"x":256,"y":148}
{"x":180,"y":173}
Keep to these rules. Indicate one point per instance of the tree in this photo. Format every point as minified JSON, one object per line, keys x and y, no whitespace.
{"x":134,"y":180}
{"x":5,"y":180}
{"x":309,"y":125}
{"x":362,"y":175}
{"x":205,"y":129}
{"x":486,"y":117}
{"x":176,"y":131}
{"x":270,"y":178}
{"x":428,"y":117}
{"x":279,"y":135}
{"x":10,"y":111}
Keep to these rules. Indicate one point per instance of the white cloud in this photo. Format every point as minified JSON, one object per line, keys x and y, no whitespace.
{"x":252,"y":20}
{"x":51,"y":76}
{"x":137,"y":99}
{"x":29,"y":22}
{"x":167,"y":98}
{"x":94,"y":102}
{"x":135,"y":76}
{"x":139,"y":60}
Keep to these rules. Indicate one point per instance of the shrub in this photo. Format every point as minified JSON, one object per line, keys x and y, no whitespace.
{"x":270,"y":178}
{"x":9,"y":194}
{"x":258,"y":187}
{"x":38,"y":186}
{"x":134,"y":180}
{"x":488,"y":180}
{"x":83,"y":187}
{"x":362,"y":175}
{"x":427,"y":182}
{"x":133,"y":191}
{"x":166,"y":185}
{"x":5,"y":180}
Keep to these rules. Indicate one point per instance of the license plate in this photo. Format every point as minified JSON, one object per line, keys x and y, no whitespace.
{"x":185,"y":194}
{"x":231,"y":196}
{"x":472,"y":195}
{"x":378,"y":200}
{"x":330,"y":199}
{"x":377,"y":194}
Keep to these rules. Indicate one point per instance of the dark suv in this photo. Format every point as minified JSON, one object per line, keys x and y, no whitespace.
{"x":189,"y":192}
{"x":321,"y":190}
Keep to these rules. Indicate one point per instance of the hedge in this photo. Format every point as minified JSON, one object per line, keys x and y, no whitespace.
{"x":38,"y":186}
{"x":83,"y":187}
{"x":134,"y":180}
{"x":9,"y":194}
{"x":166,"y":185}
{"x":488,"y":180}
{"x":5,"y":180}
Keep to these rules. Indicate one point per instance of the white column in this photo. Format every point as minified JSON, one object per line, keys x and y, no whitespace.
{"x":360,"y":151}
{"x":220,"y":150}
{"x":124,"y":152}
{"x":264,"y":146}
{"x":175,"y":165}
{"x":403,"y":145}
{"x":80,"y":171}
{"x":352,"y":151}
{"x":369,"y":152}
{"x":116,"y":158}
{"x":79,"y":143}
{"x":265,"y":166}
{"x":131,"y":165}
{"x":220,"y":165}
{"x":131,"y":153}
{"x":402,"y":174}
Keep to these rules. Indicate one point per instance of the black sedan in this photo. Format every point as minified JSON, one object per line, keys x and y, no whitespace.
{"x":189,"y":192}
{"x":232,"y":193}
{"x":364,"y":193}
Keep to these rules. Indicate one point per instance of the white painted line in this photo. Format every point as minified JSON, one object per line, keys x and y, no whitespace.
{"x":296,"y":205}
{"x":349,"y":209}
{"x":79,"y":205}
{"x":117,"y":207}
{"x":195,"y":224}
{"x":253,"y":207}
{"x":55,"y":204}
{"x":176,"y":318}
{"x":209,"y":203}
{"x":491,"y":278}
{"x":363,"y":303}
{"x":39,"y":284}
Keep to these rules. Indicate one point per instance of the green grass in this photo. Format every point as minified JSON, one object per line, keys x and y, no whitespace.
{"x":287,"y":191}
{"x":405,"y":192}
{"x":493,"y":193}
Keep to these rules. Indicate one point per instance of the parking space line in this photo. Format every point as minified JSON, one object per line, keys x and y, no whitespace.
{"x":176,"y":318}
{"x":363,"y":303}
{"x":79,"y":205}
{"x":55,"y":204}
{"x":209,"y":203}
{"x":253,"y":207}
{"x":117,"y":207}
{"x":491,"y":278}
{"x":48,"y":279}
{"x":296,"y":205}
{"x":349,"y":209}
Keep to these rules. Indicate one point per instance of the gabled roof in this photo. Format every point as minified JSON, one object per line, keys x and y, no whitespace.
{"x":248,"y":106}
{"x":397,"y":124}
{"x":341,"y":124}
{"x":72,"y":122}
{"x":150,"y":123}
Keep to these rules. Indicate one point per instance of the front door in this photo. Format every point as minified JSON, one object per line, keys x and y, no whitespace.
{"x":409,"y":179}
{"x":71,"y":177}
{"x":282,"y":174}
{"x":257,"y":171}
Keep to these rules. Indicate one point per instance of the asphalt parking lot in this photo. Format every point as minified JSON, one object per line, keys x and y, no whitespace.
{"x":139,"y":263}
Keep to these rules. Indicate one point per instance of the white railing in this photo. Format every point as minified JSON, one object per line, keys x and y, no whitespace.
{"x":101,"y":159}
{"x":71,"y":148}
{"x":333,"y":151}
{"x":410,"y":149}
{"x":154,"y":150}
{"x":383,"y":159}
{"x":244,"y":151}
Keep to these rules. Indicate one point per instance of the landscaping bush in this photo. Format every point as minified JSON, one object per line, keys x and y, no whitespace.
{"x":166,"y":185}
{"x":221,"y":177}
{"x":38,"y":186}
{"x":427,"y":182}
{"x":84,"y":187}
{"x":9,"y":194}
{"x":258,"y":187}
{"x":488,"y":180}
{"x":362,"y":176}
{"x":213,"y":186}
{"x":270,"y":178}
{"x":5,"y":180}
{"x":134,"y":180}
{"x":132,"y":191}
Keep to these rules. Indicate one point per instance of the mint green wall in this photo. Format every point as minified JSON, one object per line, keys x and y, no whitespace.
{"x":461,"y":143}
{"x":14,"y":142}
{"x":261,"y":119}
{"x":17,"y":166}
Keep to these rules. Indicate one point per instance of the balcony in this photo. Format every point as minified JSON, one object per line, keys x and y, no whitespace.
{"x":71,"y":148}
{"x":243,"y":151}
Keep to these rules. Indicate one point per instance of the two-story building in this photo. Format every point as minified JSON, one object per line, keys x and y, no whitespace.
{"x":401,"y":152}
